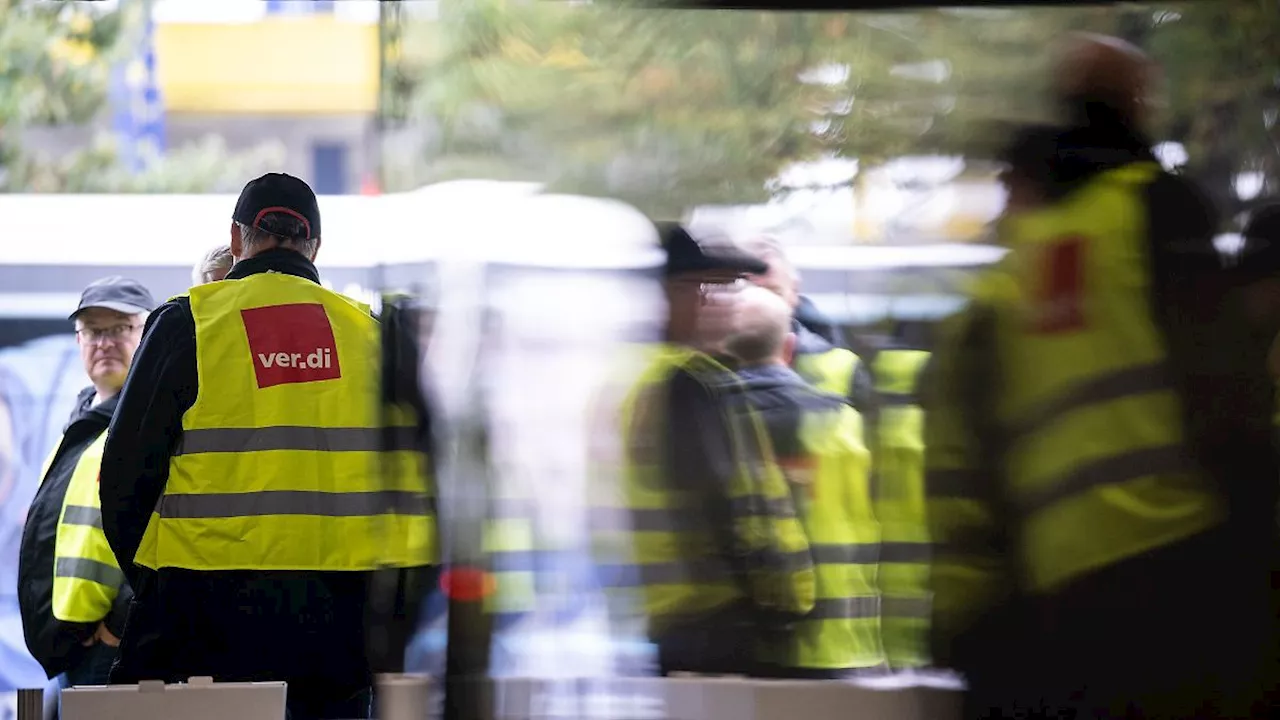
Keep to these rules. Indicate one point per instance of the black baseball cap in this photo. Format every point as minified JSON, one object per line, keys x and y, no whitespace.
{"x":687,"y":255}
{"x":278,"y":193}
{"x":116,"y":293}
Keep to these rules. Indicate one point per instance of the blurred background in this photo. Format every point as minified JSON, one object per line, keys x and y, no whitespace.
{"x":487,"y":152}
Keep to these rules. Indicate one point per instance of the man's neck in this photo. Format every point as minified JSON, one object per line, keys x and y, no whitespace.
{"x":102,"y":395}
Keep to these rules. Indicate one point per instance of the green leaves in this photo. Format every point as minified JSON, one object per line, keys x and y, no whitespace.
{"x":669,"y":109}
{"x":55,"y":60}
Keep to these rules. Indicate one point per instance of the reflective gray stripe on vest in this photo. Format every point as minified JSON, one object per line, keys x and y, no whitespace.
{"x":512,"y":509}
{"x":682,"y":519}
{"x":896,"y":399}
{"x":295,"y":502}
{"x":639,"y":575}
{"x":845,"y":608}
{"x":1107,"y":471}
{"x":906,"y":607}
{"x":287,"y":437}
{"x":86,"y":569}
{"x":1129,"y":382}
{"x":914,"y":553}
{"x":852,"y":554}
{"x":82,"y":515}
{"x":703,"y":571}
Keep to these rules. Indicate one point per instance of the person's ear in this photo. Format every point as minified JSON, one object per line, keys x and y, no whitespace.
{"x":237,"y":243}
{"x":788,"y":348}
{"x":316,"y":250}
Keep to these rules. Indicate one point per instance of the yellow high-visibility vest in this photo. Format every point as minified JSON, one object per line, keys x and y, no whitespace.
{"x":830,"y":371}
{"x":900,"y":507}
{"x":86,"y":577}
{"x":672,"y":561}
{"x":510,"y":545}
{"x":834,"y":502}
{"x":1097,"y":465}
{"x":969,"y":575}
{"x":283,"y":463}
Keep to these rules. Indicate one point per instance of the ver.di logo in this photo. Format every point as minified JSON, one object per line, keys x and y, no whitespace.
{"x":291,"y":344}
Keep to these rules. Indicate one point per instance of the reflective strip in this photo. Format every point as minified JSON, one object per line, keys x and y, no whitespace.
{"x":285,"y":437}
{"x":859,"y":554}
{"x":953,"y":484}
{"x":845,"y":609}
{"x":511,"y":561}
{"x":82,"y":515}
{"x":671,"y":573}
{"x":1125,"y":383}
{"x":512,"y":509}
{"x":703,"y":571}
{"x":907,"y":607}
{"x":86,"y":569}
{"x":295,"y":502}
{"x":897,"y":399}
{"x":682,"y":519}
{"x":969,"y":543}
{"x":1108,"y":471}
{"x":905,"y":552}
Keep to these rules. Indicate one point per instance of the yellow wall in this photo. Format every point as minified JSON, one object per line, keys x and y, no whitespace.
{"x":289,"y":65}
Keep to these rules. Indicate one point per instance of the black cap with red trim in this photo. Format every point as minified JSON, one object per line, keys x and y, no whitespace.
{"x":277,"y":193}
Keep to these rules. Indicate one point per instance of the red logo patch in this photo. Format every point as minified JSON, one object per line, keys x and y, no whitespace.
{"x":799,"y":472}
{"x":291,"y":344}
{"x":1059,"y":305}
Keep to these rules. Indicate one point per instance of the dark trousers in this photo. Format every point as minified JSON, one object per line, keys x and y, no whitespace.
{"x":318,"y":703}
{"x":1184,"y":631}
{"x":723,"y":642}
{"x":94,"y":667}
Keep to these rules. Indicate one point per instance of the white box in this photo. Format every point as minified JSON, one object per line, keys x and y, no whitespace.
{"x":197,"y":699}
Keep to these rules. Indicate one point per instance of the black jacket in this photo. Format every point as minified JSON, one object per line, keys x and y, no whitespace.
{"x":56,"y":644}
{"x":307,"y":628}
{"x":808,"y":315}
{"x":782,"y":399}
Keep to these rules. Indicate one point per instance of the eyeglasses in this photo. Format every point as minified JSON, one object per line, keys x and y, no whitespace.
{"x":99,"y":335}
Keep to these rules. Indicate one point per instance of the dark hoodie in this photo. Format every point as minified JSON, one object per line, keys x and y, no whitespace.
{"x":56,"y":644}
{"x":782,"y":398}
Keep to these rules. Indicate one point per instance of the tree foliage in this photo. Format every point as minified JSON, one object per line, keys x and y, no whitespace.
{"x":673,"y":108}
{"x":55,"y":63}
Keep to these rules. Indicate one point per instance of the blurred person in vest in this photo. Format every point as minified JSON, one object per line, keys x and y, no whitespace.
{"x":1259,"y":260}
{"x":248,"y":490}
{"x":214,"y":266}
{"x":816,"y":438}
{"x":72,"y":593}
{"x":1114,"y":486}
{"x":711,"y":547}
{"x":975,"y":613}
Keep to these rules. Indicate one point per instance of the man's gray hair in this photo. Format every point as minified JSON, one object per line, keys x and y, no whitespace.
{"x":761,"y":323}
{"x":768,"y":246}
{"x":285,"y":230}
{"x":215,"y":263}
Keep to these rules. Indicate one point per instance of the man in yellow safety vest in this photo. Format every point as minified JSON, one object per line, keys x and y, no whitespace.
{"x":72,"y":593}
{"x":816,"y":438}
{"x":709,"y":543}
{"x":256,"y":480}
{"x":1127,"y":503}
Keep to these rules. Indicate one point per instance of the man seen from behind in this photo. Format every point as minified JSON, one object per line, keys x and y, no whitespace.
{"x":242,"y":493}
{"x":816,"y":439}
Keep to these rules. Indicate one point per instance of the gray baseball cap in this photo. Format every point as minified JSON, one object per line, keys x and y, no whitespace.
{"x":116,"y":293}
